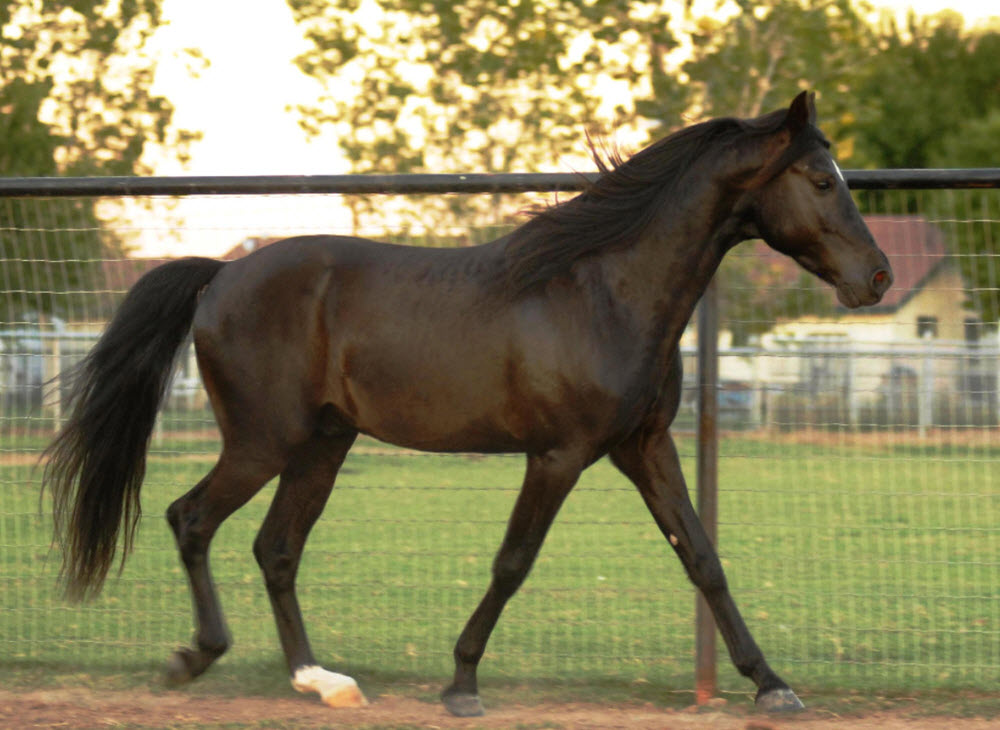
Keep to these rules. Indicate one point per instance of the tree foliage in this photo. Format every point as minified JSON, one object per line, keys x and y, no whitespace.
{"x":75,"y":99}
{"x":932,"y":99}
{"x":496,"y":85}
{"x":770,"y":50}
{"x":927,"y":84}
{"x":75,"y":84}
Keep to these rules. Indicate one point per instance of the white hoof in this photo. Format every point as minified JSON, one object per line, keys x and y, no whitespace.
{"x":336,"y":690}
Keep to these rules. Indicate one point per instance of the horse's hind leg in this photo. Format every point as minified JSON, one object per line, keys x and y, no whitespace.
{"x":194,"y":519}
{"x":302,"y":493}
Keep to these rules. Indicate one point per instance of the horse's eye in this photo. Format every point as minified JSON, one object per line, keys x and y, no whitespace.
{"x":824,"y":184}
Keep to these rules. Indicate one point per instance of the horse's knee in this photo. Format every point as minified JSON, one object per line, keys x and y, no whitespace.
{"x":510,"y":569}
{"x":276,"y":565}
{"x":212,"y":645}
{"x":708,"y":576}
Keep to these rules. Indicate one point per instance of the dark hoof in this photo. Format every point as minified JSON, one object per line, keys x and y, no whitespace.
{"x":462,"y":704}
{"x":779,"y":700}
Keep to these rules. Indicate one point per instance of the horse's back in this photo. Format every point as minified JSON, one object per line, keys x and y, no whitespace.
{"x":400,"y":342}
{"x":279,"y":279}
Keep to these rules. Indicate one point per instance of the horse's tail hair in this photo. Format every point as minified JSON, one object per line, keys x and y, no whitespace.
{"x":95,"y":466}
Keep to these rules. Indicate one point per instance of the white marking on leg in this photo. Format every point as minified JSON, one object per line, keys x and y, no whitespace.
{"x":336,"y":690}
{"x":673,"y":540}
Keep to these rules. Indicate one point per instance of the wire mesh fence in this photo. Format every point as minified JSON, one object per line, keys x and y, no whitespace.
{"x":859,"y":505}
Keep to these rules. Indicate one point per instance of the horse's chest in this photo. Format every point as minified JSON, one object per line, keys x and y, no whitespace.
{"x":653,"y":385}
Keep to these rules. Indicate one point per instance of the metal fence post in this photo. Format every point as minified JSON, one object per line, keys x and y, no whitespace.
{"x":707,"y":455}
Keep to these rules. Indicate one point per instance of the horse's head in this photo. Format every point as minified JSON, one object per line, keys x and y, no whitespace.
{"x":801,"y":207}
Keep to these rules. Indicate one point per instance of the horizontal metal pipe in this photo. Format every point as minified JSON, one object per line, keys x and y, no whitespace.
{"x":910,"y":179}
{"x":422,"y":184}
{"x":432,"y":184}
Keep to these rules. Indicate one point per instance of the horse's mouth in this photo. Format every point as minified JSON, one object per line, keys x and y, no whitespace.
{"x":850,"y":295}
{"x":851,"y":299}
{"x":847,"y":297}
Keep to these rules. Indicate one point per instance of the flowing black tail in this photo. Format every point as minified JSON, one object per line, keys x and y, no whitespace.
{"x":97,"y":462}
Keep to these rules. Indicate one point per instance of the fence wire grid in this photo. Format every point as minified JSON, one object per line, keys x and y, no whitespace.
{"x":859,"y":503}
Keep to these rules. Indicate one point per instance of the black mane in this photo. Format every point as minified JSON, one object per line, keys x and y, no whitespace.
{"x":616,"y":208}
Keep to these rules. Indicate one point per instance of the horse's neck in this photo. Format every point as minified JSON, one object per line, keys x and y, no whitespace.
{"x":664,"y":273}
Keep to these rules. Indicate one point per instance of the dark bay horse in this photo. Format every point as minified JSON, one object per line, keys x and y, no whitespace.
{"x":559,"y":340}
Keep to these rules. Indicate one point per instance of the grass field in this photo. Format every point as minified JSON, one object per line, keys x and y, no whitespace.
{"x":864,"y":564}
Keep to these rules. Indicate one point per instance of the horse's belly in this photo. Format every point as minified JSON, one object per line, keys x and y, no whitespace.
{"x":446,"y":425}
{"x":471,"y":390}
{"x":424,"y":406}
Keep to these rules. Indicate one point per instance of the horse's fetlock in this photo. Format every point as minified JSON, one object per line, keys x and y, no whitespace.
{"x":214,"y":647}
{"x":748,"y":666}
{"x":467,"y":653}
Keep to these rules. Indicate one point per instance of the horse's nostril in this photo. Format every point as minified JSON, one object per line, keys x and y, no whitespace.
{"x":881,"y":280}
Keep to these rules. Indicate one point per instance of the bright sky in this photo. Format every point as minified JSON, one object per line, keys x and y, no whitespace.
{"x":240,"y":100}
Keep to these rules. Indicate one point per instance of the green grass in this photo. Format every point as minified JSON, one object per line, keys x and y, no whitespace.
{"x":871,"y":567}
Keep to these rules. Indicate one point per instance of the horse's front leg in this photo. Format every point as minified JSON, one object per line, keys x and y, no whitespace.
{"x":650,"y":460}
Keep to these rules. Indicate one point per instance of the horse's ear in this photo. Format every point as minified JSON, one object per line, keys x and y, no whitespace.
{"x":802,"y":112}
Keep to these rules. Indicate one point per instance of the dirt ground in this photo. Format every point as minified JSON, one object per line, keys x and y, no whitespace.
{"x":84,"y":708}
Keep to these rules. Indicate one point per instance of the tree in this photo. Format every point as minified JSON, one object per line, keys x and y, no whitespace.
{"x":75,"y":99}
{"x":941,"y":109}
{"x":770,"y":50}
{"x":972,"y":218}
{"x":925,"y":84}
{"x":440,"y":85}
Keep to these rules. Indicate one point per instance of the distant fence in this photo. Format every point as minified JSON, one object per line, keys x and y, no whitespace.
{"x":796,"y":385}
{"x":858,"y":503}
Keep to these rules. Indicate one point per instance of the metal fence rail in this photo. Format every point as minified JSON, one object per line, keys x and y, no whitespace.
{"x":425,"y":184}
{"x":858,"y":503}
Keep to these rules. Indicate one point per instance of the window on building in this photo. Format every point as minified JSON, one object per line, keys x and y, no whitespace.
{"x":927,"y":327}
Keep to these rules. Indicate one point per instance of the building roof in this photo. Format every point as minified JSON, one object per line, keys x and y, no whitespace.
{"x":916,"y":250}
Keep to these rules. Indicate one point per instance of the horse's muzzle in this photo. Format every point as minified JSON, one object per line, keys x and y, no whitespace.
{"x":867,"y":294}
